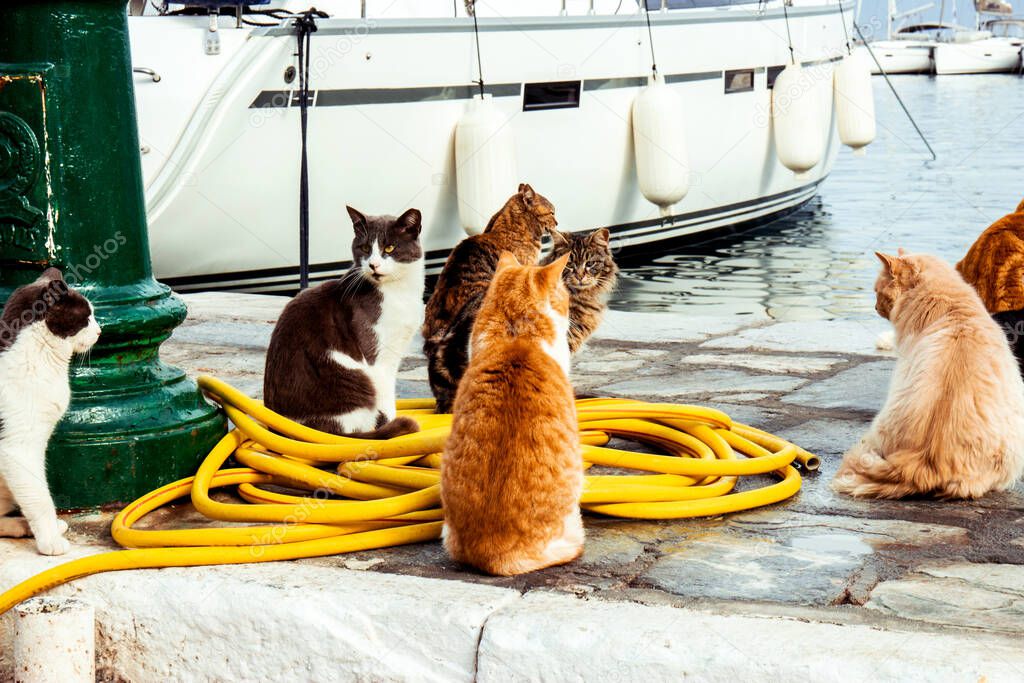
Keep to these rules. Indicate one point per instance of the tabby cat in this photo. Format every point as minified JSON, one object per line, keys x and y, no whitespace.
{"x":43,"y":324}
{"x":994,"y":266}
{"x":590,"y":277}
{"x":517,"y":228}
{"x":334,"y":355}
{"x":512,"y":471}
{"x":953,"y":423}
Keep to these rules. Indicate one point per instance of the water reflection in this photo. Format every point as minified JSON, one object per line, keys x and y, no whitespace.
{"x":818,"y":263}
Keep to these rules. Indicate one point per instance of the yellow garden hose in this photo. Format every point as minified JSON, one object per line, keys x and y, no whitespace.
{"x":387,"y":493}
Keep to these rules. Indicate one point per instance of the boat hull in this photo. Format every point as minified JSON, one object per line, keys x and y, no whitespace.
{"x":901,"y":57}
{"x":222,"y":182}
{"x":994,"y":55}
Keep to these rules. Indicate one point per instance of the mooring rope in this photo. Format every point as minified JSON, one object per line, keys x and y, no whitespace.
{"x":305,"y":27}
{"x":789,"y":36}
{"x":471,"y":7}
{"x":650,"y":39}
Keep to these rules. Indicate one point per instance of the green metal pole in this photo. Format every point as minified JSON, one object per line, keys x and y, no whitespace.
{"x":71,"y":196}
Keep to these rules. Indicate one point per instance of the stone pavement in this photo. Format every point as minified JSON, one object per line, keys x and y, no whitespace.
{"x":820,"y":586}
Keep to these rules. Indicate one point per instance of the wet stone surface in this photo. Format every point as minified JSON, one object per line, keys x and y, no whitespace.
{"x":948,"y":565}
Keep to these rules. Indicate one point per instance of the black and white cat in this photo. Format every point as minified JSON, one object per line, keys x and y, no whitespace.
{"x":334,"y":355}
{"x":43,"y":324}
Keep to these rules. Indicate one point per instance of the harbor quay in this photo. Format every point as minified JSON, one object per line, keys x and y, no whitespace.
{"x":821,"y":586}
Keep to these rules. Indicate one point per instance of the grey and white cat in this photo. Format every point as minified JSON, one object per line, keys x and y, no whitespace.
{"x":43,"y":324}
{"x":334,"y":355}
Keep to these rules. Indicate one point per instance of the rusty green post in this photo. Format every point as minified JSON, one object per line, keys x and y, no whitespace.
{"x":71,"y":196}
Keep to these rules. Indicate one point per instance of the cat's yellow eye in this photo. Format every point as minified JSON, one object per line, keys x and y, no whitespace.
{"x":388,"y":249}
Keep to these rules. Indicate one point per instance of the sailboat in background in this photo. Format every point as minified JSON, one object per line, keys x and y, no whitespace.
{"x":905,"y":50}
{"x":978,"y":51}
{"x":948,"y":48}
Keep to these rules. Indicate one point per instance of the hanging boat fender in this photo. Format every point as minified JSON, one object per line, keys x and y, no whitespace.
{"x":485,"y":163}
{"x":855,"y":102}
{"x":797,"y":120}
{"x":659,"y":143}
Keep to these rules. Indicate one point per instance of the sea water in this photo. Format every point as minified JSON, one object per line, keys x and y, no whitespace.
{"x":819,"y":262}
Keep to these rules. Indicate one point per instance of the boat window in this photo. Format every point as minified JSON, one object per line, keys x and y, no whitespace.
{"x":739,"y":80}
{"x":773,"y":73}
{"x":555,"y":95}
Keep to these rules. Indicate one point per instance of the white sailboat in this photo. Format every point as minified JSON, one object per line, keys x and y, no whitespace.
{"x":219,"y":115}
{"x":978,"y":51}
{"x":906,"y":49}
{"x":948,"y":48}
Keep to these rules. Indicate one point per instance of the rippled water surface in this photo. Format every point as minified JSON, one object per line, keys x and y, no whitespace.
{"x":818,"y":263}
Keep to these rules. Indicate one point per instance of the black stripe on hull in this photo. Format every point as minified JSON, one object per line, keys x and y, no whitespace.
{"x":628,"y":238}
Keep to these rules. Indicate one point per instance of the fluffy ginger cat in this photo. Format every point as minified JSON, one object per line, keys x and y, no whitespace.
{"x":953,"y":423}
{"x":512,"y":471}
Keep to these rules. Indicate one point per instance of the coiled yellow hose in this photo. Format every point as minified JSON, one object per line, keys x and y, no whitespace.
{"x":387,"y":493}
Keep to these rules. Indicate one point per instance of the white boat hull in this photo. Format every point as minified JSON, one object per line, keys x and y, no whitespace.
{"x":222,"y":178}
{"x":993,"y":55}
{"x":901,"y":56}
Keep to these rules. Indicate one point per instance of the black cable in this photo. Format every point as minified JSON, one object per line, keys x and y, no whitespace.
{"x":842,"y":18}
{"x":789,"y":36}
{"x":479,"y":60}
{"x":650,"y":39}
{"x":305,"y":26}
{"x":899,"y":99}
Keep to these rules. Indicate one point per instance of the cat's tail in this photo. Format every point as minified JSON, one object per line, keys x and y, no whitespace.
{"x":866,"y":474}
{"x":397,"y":427}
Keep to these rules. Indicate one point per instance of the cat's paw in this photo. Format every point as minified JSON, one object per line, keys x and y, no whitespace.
{"x":53,"y":545}
{"x":49,"y":533}
{"x":886,"y":341}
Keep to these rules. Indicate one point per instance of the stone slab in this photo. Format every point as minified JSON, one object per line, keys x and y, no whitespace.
{"x":275,"y":622}
{"x":801,"y":365}
{"x":224,"y":306}
{"x":548,"y":637}
{"x":861,"y":388}
{"x":823,"y":336}
{"x":981,"y":596}
{"x":662,"y":328}
{"x":702,"y":382}
{"x":783,"y":556}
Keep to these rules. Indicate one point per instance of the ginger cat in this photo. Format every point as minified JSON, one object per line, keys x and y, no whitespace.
{"x":953,"y":423}
{"x":994,"y":265}
{"x":512,"y":471}
{"x":518,"y":228}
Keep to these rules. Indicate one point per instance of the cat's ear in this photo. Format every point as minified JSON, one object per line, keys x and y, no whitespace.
{"x":506,"y":260}
{"x":551,"y":274}
{"x":526,"y":193}
{"x":410,"y":223}
{"x":901,"y":251}
{"x":599,"y":238}
{"x":358,"y":219}
{"x":50,"y":275}
{"x":558,"y":240}
{"x":887,"y":261}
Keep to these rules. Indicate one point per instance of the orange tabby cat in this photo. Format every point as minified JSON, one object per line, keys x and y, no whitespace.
{"x":953,"y":423}
{"x":512,"y":471}
{"x":994,"y":265}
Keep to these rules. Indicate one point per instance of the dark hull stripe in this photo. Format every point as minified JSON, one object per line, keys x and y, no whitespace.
{"x":282,"y":99}
{"x":628,"y":236}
